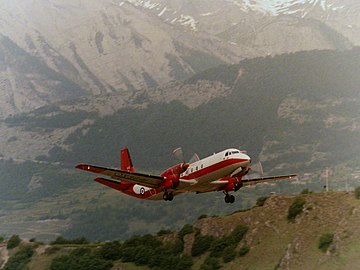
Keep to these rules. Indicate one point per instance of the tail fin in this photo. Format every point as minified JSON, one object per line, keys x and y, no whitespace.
{"x":125,"y":161}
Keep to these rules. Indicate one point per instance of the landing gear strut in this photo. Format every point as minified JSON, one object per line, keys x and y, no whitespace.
{"x":229,"y":198}
{"x":168,"y":196}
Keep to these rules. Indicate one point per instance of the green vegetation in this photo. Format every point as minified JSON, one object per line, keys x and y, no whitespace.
{"x":186,"y":229}
{"x":201,"y":244}
{"x":219,"y":245}
{"x":261,"y":200}
{"x":295,"y":208}
{"x":357,"y":193}
{"x":244,"y":250}
{"x":19,"y":260}
{"x":13,"y":242}
{"x":305,"y":191}
{"x":63,"y":241}
{"x":148,"y":250}
{"x":111,"y":251}
{"x":229,"y":253}
{"x":325,"y":241}
{"x":210,"y":263}
{"x":80,"y":259}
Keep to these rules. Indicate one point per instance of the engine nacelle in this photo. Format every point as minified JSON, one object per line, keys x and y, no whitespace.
{"x":175,"y":170}
{"x":233,"y":184}
{"x":172,"y":175}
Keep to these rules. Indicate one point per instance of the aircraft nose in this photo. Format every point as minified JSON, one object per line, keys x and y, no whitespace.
{"x":247,"y":158}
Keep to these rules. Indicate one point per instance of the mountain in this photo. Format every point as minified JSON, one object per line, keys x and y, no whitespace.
{"x":117,"y":46}
{"x":323,"y":234}
{"x":297,"y":113}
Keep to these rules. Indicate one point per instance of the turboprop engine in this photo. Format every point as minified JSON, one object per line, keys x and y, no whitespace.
{"x":172,"y":175}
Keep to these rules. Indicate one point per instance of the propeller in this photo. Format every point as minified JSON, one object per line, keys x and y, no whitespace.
{"x":178,"y":152}
{"x":194,"y":158}
{"x":257,"y":168}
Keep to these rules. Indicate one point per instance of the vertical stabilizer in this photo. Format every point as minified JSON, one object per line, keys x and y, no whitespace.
{"x":125,"y":161}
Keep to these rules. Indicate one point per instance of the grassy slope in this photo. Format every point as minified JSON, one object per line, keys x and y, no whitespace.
{"x":275,"y":242}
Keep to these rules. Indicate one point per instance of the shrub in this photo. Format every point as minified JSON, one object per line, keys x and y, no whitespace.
{"x":210,"y":264}
{"x":238,"y":233}
{"x":296,"y":208}
{"x":19,"y":259}
{"x":13,"y":242}
{"x":187,"y":229}
{"x":163,"y":232}
{"x":244,"y":250}
{"x":201,"y":244}
{"x":110,"y":251}
{"x":184,"y":263}
{"x":261,"y":200}
{"x":325,"y":241}
{"x":218,"y":246}
{"x":357,"y":193}
{"x":60,"y":240}
{"x":229,"y":253}
{"x":80,"y":259}
{"x":305,"y":191}
{"x":202,"y":216}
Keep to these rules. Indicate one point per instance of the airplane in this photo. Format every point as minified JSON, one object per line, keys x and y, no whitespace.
{"x":223,"y":171}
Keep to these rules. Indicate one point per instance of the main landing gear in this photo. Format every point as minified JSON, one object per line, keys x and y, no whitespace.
{"x":229,"y":198}
{"x":168,"y":196}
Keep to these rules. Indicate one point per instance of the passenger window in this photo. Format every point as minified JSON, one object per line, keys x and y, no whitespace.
{"x":197,"y":168}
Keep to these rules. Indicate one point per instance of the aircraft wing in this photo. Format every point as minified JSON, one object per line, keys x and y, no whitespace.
{"x":147,"y":180}
{"x":248,"y":182}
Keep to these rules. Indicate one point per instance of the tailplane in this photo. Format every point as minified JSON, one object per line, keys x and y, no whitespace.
{"x":125,"y":161}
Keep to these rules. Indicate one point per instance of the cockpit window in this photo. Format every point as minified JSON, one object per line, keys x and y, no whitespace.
{"x":227,"y":153}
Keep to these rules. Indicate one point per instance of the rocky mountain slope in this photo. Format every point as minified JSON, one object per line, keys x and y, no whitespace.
{"x":324,"y":235}
{"x":123,"y":46}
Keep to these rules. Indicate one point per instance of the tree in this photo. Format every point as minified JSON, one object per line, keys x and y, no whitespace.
{"x":13,"y":242}
{"x":325,"y":241}
{"x":357,"y":193}
{"x":210,"y":264}
{"x":296,"y":208}
{"x":111,"y":251}
{"x":201,"y":244}
{"x":19,"y":259}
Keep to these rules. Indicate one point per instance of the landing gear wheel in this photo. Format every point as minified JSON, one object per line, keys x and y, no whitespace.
{"x":168,"y":196}
{"x":229,"y":198}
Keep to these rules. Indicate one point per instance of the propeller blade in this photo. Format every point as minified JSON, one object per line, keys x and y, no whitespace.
{"x":257,"y":168}
{"x":178,"y":152}
{"x":194,"y":158}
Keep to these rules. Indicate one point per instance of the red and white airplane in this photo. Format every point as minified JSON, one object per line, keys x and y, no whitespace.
{"x":223,"y":171}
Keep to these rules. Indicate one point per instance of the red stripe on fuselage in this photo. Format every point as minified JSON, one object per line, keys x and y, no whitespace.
{"x":213,"y":168}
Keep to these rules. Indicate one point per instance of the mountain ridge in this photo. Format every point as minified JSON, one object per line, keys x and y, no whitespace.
{"x":124,"y":47}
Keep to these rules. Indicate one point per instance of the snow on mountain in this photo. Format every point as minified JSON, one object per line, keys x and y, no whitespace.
{"x":277,"y":7}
